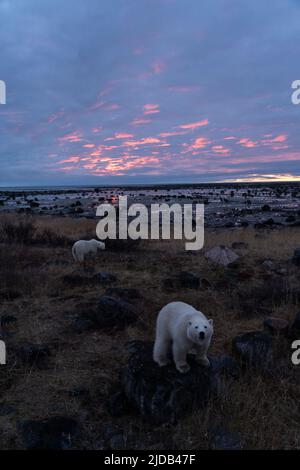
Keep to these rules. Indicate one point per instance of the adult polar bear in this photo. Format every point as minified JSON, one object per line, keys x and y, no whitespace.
{"x":188,"y":329}
{"x":82,"y":248}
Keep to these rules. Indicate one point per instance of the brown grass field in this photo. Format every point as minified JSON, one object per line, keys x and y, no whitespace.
{"x":264,"y":410}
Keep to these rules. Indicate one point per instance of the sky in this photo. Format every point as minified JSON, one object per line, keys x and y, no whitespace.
{"x":148,"y":91}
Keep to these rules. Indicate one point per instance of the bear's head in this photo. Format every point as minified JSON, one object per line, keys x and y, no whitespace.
{"x":200,"y":330}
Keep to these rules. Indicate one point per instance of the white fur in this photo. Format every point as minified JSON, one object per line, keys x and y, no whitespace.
{"x":82,"y":248}
{"x":180,"y":324}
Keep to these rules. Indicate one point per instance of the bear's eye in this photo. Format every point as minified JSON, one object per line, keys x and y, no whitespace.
{"x":205,"y":327}
{"x":196,"y":327}
{"x":190,"y":322}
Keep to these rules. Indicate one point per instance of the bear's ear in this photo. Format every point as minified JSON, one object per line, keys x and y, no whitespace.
{"x":211,"y":322}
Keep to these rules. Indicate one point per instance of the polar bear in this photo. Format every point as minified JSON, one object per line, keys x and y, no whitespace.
{"x":188,"y":329}
{"x":81,"y":248}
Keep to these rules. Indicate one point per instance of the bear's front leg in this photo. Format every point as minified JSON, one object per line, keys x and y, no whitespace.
{"x":204,"y":361}
{"x":179,"y":355}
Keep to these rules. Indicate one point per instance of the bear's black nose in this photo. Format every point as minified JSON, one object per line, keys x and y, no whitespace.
{"x":201,"y":335}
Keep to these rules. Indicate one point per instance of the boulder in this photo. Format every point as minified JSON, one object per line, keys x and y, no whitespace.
{"x":54,"y":433}
{"x":222,"y":439}
{"x":276,"y":325}
{"x":296,"y":257}
{"x":254,"y":349}
{"x":162,"y":394}
{"x":183,"y":280}
{"x":33,"y":353}
{"x":112,"y":312}
{"x":294,"y":332}
{"x":124,"y":293}
{"x":104,"y":278}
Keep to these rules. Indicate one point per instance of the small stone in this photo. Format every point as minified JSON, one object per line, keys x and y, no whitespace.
{"x":254,"y":348}
{"x":221,"y":439}
{"x":80,"y":325}
{"x":276,"y":325}
{"x":124,"y":293}
{"x":105,"y":277}
{"x":33,"y":353}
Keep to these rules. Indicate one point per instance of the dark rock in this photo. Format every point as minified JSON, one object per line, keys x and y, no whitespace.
{"x":6,"y":409}
{"x":296,"y":257}
{"x":105,"y":278}
{"x":118,"y":404}
{"x":78,"y":392}
{"x":80,"y":325}
{"x":265,"y":208}
{"x":239,"y":245}
{"x":290,"y":218}
{"x":75,"y":280}
{"x":113,"y":312}
{"x":33,"y":353}
{"x":54,"y":433}
{"x":6,"y":319}
{"x":276,"y":325}
{"x":124,"y":293}
{"x":254,"y":348}
{"x":183,"y":280}
{"x":221,"y":439}
{"x":162,"y":394}
{"x":294,"y":331}
{"x":205,"y":284}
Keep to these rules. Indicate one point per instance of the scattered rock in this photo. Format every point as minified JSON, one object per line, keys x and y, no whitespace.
{"x":6,"y":409}
{"x":296,"y":257}
{"x":114,"y":438}
{"x":268,"y":264}
{"x":239,"y":245}
{"x":254,"y":348}
{"x":54,"y":433}
{"x":265,"y":208}
{"x":276,"y":325}
{"x":113,"y":312}
{"x":80,"y":325}
{"x":183,"y":280}
{"x":162,"y":394}
{"x":221,"y":439}
{"x":124,"y":293}
{"x":33,"y":353}
{"x":295,"y":327}
{"x":105,"y":278}
{"x":222,"y":255}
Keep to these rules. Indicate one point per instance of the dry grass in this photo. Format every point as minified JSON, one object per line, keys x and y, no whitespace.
{"x":264,"y":410}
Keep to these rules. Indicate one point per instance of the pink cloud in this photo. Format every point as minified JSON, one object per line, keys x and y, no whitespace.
{"x":88,"y":146}
{"x":151,"y":109}
{"x":221,"y":149}
{"x":140,"y":121}
{"x":72,"y":137}
{"x":199,"y":143}
{"x":194,"y":125}
{"x":247,"y":143}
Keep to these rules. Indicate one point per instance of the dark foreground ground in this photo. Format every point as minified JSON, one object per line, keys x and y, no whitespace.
{"x":62,"y":384}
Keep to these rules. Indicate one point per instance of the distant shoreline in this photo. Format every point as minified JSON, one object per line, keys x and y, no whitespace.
{"x":67,"y":188}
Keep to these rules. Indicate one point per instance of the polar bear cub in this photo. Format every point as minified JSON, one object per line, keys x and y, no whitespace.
{"x":187,"y":329}
{"x":82,"y":248}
